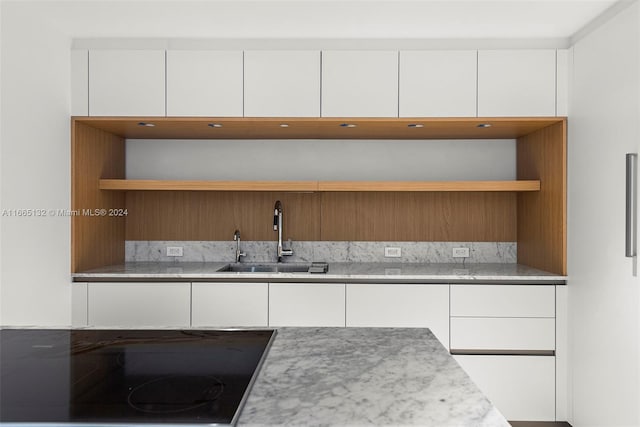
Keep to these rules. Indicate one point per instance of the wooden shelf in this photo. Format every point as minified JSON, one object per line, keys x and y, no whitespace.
{"x":532,"y":185}
{"x":318,"y":128}
{"x":303,"y":186}
{"x":150,"y":184}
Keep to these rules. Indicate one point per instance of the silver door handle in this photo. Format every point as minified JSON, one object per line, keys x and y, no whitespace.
{"x":631,"y":241}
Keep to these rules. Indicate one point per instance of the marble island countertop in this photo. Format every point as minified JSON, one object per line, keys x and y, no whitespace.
{"x":364,"y":376}
{"x":337,"y":272}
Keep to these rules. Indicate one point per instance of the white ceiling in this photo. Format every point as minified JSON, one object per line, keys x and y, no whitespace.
{"x":331,"y":19}
{"x":426,"y":19}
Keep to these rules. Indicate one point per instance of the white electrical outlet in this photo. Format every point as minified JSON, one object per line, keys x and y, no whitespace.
{"x":392,"y":252}
{"x":461,"y":252}
{"x":174,"y":250}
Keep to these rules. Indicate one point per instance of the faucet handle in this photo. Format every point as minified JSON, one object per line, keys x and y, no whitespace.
{"x":289,"y":251}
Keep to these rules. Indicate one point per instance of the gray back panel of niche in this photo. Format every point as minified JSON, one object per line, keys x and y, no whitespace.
{"x":308,"y":251}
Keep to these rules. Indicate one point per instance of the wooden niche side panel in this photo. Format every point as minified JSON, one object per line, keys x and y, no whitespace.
{"x":419,"y":216}
{"x":213,"y":215}
{"x":542,"y":215}
{"x":96,"y":240}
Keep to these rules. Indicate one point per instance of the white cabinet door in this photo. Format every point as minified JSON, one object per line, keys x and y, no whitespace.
{"x":282,"y":84}
{"x":503,"y":300}
{"x":306,"y":304}
{"x":521,"y":387}
{"x":204,"y":83}
{"x":438,"y":83}
{"x":79,"y":82}
{"x":517,"y":83}
{"x":139,"y":304}
{"x":127,"y":82}
{"x":360,"y":84}
{"x":400,"y":306}
{"x":229,"y":304}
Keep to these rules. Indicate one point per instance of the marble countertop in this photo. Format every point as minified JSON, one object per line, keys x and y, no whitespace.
{"x":338,"y":272}
{"x":364,"y":376}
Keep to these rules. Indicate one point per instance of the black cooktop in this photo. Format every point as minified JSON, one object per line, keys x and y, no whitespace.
{"x":127,"y":376}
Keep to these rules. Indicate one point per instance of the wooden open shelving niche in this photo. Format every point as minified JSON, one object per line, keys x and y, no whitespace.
{"x":530,"y":210}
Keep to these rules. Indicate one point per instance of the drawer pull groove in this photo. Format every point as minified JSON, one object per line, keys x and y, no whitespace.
{"x":476,"y":352}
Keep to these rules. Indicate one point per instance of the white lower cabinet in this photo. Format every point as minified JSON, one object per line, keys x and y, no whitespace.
{"x":122,"y":304}
{"x":79,"y":304}
{"x":306,"y":304}
{"x":229,"y":304}
{"x":400,"y":306}
{"x":521,"y":387}
{"x":504,"y":337}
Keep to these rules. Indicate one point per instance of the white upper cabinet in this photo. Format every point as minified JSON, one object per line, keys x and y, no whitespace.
{"x":127,"y":82}
{"x":438,"y":83}
{"x":360,"y":84}
{"x":458,"y":83}
{"x":516,"y":83}
{"x":204,"y":83}
{"x":282,"y":84}
{"x":79,"y":82}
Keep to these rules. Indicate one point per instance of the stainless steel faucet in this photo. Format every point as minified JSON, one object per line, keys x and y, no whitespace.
{"x":236,"y":238}
{"x":277,"y":226}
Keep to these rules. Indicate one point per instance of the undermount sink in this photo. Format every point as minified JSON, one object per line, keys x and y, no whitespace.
{"x":275,"y":268}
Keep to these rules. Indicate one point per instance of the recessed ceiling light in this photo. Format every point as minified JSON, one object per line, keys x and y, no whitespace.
{"x":484,"y":125}
{"x":149,"y":125}
{"x":284,"y":125}
{"x":215,"y":125}
{"x":348,"y":125}
{"x":415,"y":125}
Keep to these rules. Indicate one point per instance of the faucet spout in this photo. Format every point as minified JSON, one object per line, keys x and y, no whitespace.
{"x":277,"y":226}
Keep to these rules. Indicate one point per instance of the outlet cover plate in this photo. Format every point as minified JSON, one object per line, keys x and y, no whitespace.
{"x":392,"y":252}
{"x":174,"y":250}
{"x":460,"y":252}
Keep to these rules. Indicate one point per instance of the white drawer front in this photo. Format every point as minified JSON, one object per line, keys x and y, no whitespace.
{"x":306,"y":304}
{"x":468,"y":333}
{"x":139,"y":304}
{"x":229,"y":304}
{"x":503,"y":300}
{"x":521,"y":387}
{"x":400,"y":306}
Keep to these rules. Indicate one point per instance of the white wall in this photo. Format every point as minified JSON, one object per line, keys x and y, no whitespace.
{"x":604,"y":296}
{"x":436,"y":160}
{"x":35,"y":169}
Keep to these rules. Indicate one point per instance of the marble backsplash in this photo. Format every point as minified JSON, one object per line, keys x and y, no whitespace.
{"x":308,"y":251}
